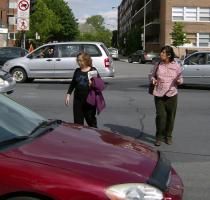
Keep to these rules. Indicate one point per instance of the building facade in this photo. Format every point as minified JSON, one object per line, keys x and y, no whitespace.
{"x":156,"y":19}
{"x":8,"y":13}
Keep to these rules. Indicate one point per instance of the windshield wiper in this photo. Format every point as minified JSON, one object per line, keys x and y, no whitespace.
{"x":45,"y":125}
{"x":13,"y":140}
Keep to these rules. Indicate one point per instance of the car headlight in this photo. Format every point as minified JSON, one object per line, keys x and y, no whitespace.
{"x":134,"y":191}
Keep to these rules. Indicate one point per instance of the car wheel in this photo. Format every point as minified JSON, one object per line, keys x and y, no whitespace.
{"x":19,"y":75}
{"x":140,"y":60}
{"x":23,"y":198}
{"x":130,"y":60}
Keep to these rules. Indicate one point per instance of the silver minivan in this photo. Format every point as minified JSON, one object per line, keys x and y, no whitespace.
{"x":58,"y":60}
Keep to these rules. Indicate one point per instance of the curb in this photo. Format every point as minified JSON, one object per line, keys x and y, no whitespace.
{"x":123,"y":60}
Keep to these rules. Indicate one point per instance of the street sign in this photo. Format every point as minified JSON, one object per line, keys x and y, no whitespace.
{"x":23,"y":24}
{"x":23,"y":7}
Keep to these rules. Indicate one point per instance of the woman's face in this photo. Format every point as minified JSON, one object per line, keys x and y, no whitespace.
{"x":163,"y":56}
{"x":80,"y":61}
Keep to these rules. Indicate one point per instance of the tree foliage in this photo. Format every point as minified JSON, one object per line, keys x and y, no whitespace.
{"x":131,"y":41}
{"x":69,"y":26}
{"x":178,"y":35}
{"x":99,"y":33}
{"x":97,"y":21}
{"x":43,"y":21}
{"x":134,"y":40}
{"x":52,"y":20}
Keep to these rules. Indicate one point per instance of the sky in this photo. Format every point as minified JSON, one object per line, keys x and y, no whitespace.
{"x":83,"y":9}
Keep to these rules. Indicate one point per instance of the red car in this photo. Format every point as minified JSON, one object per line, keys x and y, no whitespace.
{"x":53,"y":160}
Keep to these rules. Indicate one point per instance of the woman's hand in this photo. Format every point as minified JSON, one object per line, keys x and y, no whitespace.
{"x":178,"y":81}
{"x":90,"y":83}
{"x":67,"y":99}
{"x":154,"y":81}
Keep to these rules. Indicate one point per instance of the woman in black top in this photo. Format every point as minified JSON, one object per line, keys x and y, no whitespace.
{"x":81,"y":85}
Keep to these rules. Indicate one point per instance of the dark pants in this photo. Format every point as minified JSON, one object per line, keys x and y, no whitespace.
{"x":82,"y":110}
{"x":165,"y":116}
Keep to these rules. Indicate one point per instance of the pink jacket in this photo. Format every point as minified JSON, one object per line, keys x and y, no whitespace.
{"x":167,"y":76}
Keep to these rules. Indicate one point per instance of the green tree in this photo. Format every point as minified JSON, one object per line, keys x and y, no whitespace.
{"x":97,"y":21}
{"x":69,"y":27}
{"x":104,"y":36}
{"x":98,"y":32}
{"x":43,"y":21}
{"x":114,"y":39}
{"x":133,"y":40}
{"x":178,"y":35}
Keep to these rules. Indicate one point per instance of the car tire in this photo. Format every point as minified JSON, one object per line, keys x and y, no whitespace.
{"x":19,"y":75}
{"x":23,"y":198}
{"x":130,"y":60}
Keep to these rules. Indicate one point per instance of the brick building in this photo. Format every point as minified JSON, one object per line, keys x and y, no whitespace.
{"x":8,"y":12}
{"x":158,"y":18}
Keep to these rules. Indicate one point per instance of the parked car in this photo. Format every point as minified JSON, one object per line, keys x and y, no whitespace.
{"x":7,"y":82}
{"x":52,"y":159}
{"x":7,"y":53}
{"x":114,"y":53}
{"x":196,"y":68}
{"x":141,"y":56}
{"x":157,"y":60}
{"x":58,"y":60}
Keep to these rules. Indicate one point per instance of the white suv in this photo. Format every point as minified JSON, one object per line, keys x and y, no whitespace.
{"x":58,"y":60}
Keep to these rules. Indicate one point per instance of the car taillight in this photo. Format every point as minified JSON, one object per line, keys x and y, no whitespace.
{"x":106,"y":62}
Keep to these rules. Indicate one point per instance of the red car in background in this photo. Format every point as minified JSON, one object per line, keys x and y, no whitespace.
{"x":53,"y":160}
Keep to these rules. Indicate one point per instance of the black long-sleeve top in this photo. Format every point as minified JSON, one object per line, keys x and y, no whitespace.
{"x":80,"y":83}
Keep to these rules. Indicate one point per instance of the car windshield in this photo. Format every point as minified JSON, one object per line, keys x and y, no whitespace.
{"x":16,"y":120}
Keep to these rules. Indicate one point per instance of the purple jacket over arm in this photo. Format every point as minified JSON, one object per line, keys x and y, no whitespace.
{"x":95,"y":96}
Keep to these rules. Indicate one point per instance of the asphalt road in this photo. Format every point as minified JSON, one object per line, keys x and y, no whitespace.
{"x":130,"y":111}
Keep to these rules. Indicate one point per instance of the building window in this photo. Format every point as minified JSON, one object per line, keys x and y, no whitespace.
{"x":191,"y":14}
{"x":12,"y":4}
{"x":11,"y":36}
{"x":204,"y":39}
{"x":12,"y":20}
{"x":204,"y":14}
{"x":178,"y":14}
{"x":192,"y":37}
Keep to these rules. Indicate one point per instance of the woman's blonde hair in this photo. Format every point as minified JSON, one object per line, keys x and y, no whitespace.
{"x":86,"y":59}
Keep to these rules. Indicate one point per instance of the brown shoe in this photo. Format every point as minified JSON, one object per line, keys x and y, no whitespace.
{"x":157,"y":142}
{"x":168,"y":141}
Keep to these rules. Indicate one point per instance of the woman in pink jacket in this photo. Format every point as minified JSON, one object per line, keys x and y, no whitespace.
{"x":165,"y":76}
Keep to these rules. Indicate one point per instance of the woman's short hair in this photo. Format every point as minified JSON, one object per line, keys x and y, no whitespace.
{"x":169,"y":52}
{"x":86,"y":58}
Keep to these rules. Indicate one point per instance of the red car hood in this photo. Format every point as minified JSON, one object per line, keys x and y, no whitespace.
{"x":88,"y":152}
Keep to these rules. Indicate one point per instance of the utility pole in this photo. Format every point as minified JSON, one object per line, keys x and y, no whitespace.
{"x":144,"y":24}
